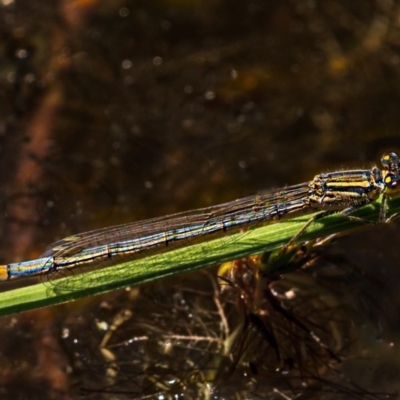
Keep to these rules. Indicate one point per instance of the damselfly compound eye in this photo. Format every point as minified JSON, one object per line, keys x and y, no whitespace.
{"x":390,"y":161}
{"x":392,"y":182}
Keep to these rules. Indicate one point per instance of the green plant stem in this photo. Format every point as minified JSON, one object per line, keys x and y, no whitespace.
{"x":260,"y":239}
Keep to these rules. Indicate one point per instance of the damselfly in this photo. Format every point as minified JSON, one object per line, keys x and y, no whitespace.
{"x":340,"y":191}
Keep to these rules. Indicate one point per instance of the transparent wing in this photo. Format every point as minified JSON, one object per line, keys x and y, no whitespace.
{"x":191,"y":225}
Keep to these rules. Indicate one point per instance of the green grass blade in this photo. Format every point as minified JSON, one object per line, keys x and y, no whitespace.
{"x":190,"y":258}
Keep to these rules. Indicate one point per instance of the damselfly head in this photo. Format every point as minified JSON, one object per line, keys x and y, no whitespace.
{"x":391,"y":171}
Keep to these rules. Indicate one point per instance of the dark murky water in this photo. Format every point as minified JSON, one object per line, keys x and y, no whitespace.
{"x":113,"y":111}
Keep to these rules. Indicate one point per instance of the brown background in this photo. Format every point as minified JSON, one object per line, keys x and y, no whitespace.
{"x":113,"y":111}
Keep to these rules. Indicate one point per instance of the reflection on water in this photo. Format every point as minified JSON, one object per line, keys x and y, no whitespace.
{"x":315,"y":334}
